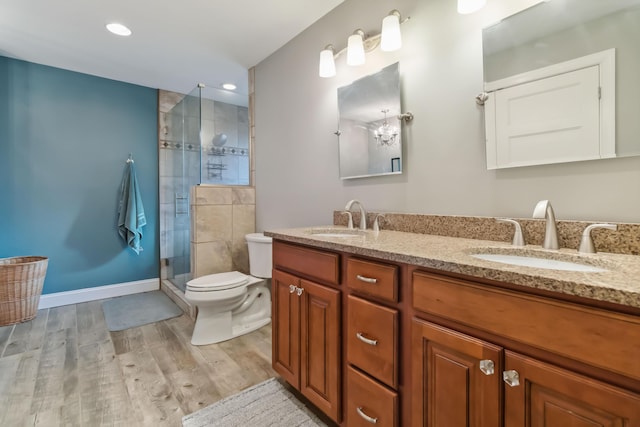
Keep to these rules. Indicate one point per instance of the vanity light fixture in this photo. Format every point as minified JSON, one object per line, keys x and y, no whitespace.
{"x":327,"y":63}
{"x":355,"y":48}
{"x":386,"y":134}
{"x":469,"y":6}
{"x":389,"y":39}
{"x":118,"y":29}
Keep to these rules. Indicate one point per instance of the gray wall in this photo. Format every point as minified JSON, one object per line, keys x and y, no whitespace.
{"x":297,"y":179}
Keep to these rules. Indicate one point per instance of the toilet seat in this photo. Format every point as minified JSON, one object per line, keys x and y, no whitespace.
{"x":218,"y":282}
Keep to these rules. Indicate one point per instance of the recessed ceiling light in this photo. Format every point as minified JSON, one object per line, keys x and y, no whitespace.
{"x":118,"y":29}
{"x":229,"y":86}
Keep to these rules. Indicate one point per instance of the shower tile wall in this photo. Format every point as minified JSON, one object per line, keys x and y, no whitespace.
{"x":220,"y":218}
{"x":227,"y":164}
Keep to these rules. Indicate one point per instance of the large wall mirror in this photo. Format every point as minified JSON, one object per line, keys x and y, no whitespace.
{"x":557,"y":31}
{"x":370,"y":135}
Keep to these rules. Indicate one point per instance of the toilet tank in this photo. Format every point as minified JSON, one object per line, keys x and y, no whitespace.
{"x":260,"y":263}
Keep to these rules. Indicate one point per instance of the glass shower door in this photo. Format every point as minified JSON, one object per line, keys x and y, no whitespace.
{"x":179,"y":171}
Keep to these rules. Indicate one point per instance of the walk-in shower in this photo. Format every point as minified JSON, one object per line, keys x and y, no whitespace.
{"x":204,"y":140}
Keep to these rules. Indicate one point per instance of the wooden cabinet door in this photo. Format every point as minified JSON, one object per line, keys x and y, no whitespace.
{"x":548,"y":396}
{"x":449,"y":388}
{"x":320,"y":362}
{"x":286,"y":327}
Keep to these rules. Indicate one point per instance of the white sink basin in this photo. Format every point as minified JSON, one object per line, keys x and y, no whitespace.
{"x":535,"y":262}
{"x":337,"y":233}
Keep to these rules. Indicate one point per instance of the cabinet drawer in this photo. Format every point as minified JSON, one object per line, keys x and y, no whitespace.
{"x":367,"y":398}
{"x":372,"y":340}
{"x":373,"y":278}
{"x":319,"y":265}
{"x":597,"y":337}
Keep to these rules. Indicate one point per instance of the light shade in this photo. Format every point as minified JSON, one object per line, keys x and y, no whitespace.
{"x":391,"y":39}
{"x":327,"y":64}
{"x":355,"y":49}
{"x":118,"y":29}
{"x":470,"y":6}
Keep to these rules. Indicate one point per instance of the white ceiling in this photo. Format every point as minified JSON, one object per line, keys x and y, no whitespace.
{"x":174,"y":46}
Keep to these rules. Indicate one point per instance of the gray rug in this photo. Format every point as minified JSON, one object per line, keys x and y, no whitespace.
{"x":131,"y":311}
{"x":263,"y":405}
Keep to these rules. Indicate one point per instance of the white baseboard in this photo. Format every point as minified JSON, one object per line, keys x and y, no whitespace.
{"x":100,"y":292}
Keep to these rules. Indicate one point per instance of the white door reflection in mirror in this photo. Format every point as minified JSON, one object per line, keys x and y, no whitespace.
{"x":561,"y":31}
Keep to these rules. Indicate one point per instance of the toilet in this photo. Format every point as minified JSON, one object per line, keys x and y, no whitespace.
{"x":231,"y":304}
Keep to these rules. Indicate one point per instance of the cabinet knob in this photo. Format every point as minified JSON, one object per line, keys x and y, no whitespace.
{"x":487,"y":367}
{"x":365,"y":416}
{"x":292,"y":289}
{"x":366,"y":279}
{"x":299,"y":291}
{"x":365,"y":339}
{"x":511,"y":378}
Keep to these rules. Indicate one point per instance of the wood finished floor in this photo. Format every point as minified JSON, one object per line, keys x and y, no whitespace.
{"x":65,"y":368}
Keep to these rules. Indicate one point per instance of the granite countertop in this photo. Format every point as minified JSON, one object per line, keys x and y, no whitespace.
{"x":619,"y":284}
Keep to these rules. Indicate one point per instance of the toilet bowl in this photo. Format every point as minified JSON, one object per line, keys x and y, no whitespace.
{"x":231,"y":304}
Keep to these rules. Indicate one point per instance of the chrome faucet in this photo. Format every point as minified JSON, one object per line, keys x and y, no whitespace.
{"x":363,"y":213}
{"x":544,"y":210}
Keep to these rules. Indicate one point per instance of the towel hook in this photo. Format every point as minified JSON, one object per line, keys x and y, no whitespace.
{"x":130,"y":159}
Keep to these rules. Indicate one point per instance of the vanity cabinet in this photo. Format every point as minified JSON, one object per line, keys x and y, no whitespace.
{"x":461,"y":380}
{"x":421,"y":348}
{"x":306,"y":327}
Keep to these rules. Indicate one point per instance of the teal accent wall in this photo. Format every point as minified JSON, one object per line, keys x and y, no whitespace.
{"x":64,"y":140}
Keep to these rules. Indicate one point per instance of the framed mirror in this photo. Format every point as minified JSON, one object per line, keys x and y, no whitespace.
{"x":559,"y":31}
{"x":369,"y":131}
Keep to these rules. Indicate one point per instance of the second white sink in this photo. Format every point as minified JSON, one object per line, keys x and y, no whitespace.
{"x":535,"y":262}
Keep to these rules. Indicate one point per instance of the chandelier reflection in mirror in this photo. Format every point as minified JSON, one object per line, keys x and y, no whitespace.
{"x":386,"y":135}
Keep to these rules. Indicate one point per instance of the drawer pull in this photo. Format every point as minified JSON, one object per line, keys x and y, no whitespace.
{"x":487,"y":367}
{"x":511,"y":378}
{"x":292,"y":289}
{"x":365,"y":339}
{"x":366,"y":279}
{"x":365,"y":416}
{"x":299,"y":291}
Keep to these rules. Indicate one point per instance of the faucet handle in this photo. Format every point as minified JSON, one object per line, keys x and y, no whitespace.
{"x":376,"y":226}
{"x":350,"y":224}
{"x":586,"y":243}
{"x":518,"y":238}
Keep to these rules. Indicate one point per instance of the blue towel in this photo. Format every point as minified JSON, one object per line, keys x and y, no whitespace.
{"x":131,"y":217}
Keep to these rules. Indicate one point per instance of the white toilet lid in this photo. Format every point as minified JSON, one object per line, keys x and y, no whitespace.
{"x":218,"y":282}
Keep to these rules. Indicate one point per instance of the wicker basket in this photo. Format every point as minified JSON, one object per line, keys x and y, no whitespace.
{"x":21,"y":280}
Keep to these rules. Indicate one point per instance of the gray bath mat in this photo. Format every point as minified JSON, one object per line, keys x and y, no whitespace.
{"x":266,"y":404}
{"x":131,"y":311}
